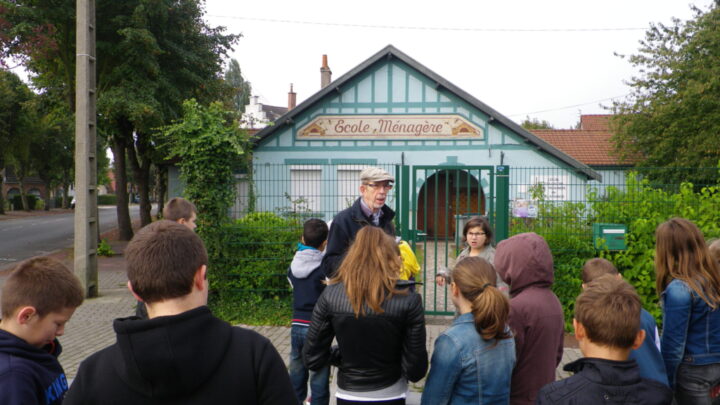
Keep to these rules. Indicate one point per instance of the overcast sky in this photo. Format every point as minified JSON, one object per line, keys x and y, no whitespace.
{"x":549,"y":60}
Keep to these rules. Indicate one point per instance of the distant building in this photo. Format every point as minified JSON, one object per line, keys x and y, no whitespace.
{"x":592,"y":145}
{"x":11,"y":186}
{"x":258,"y":115}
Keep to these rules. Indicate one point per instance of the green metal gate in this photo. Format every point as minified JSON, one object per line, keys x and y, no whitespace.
{"x":433,"y":205}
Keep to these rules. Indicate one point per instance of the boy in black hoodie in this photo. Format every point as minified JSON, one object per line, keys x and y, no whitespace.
{"x":607,"y":327}
{"x":38,"y":298}
{"x":182,"y":354}
{"x":306,"y":278}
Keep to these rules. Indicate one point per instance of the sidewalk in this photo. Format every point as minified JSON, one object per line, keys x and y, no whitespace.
{"x":90,"y":328}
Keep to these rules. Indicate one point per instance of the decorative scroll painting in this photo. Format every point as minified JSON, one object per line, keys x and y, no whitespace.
{"x":390,"y":127}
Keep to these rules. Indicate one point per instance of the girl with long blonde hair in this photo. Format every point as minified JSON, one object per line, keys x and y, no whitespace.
{"x":379,"y":325}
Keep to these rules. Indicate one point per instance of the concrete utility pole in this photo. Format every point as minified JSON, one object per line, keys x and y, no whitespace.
{"x":86,"y":211}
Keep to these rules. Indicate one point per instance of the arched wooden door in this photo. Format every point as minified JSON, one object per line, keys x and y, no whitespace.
{"x":443,"y":195}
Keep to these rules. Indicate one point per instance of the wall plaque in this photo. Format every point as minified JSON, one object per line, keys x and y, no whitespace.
{"x":449,"y":126}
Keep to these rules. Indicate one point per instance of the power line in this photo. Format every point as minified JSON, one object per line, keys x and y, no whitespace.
{"x":422,"y":28}
{"x":569,"y":106}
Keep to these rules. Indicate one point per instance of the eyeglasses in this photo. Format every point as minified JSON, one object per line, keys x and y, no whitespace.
{"x":476,"y":233}
{"x":380,"y":186}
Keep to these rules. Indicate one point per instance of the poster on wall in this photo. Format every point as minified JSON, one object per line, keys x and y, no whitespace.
{"x":554,"y":187}
{"x":522,"y":208}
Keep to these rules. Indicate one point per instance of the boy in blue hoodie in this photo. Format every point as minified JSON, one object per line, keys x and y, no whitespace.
{"x":306,"y":278}
{"x":38,"y":298}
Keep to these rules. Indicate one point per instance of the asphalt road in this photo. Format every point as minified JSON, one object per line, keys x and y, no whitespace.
{"x":32,"y":236}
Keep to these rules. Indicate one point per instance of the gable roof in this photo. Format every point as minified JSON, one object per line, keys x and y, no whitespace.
{"x":591,"y":144}
{"x":390,"y":52}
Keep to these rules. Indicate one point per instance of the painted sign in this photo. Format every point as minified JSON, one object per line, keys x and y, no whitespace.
{"x":390,"y":127}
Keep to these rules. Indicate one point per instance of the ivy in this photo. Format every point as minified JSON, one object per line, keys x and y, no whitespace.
{"x":208,"y":143}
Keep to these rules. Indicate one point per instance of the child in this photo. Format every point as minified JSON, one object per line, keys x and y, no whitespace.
{"x":38,"y":298}
{"x":306,"y":278}
{"x":536,"y":318}
{"x":648,"y":354}
{"x":607,"y":327}
{"x":688,"y":283}
{"x":474,"y":359}
{"x":183,"y":212}
{"x":183,"y":354}
{"x":478,"y":235}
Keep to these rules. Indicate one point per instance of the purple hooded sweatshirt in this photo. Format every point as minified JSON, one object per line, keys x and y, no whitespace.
{"x":536,"y":317}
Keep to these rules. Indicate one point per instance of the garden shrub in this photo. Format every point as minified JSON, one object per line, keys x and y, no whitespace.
{"x":642,"y":208}
{"x":107,"y":199}
{"x":251,"y":257}
{"x":16,"y":202}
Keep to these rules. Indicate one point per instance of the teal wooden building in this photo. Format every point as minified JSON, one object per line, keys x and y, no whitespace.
{"x":445,"y":145}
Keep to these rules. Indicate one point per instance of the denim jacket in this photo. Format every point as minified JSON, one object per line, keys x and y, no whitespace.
{"x":691,"y":329}
{"x":465,"y":369}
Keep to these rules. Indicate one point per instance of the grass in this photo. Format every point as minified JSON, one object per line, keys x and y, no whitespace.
{"x":252,"y":311}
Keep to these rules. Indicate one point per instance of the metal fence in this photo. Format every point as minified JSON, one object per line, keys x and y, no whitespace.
{"x":432,"y":203}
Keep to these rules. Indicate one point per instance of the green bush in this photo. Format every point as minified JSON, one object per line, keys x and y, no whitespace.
{"x":16,"y":202}
{"x":249,"y":259}
{"x":567,"y":227}
{"x":642,"y":208}
{"x":107,"y":199}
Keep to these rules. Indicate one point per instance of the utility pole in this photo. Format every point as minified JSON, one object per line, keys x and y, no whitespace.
{"x":86,"y":212}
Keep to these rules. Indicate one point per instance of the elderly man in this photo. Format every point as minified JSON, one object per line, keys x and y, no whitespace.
{"x":369,"y":209}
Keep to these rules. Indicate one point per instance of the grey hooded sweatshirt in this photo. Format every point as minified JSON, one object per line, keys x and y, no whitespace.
{"x":536,"y":317}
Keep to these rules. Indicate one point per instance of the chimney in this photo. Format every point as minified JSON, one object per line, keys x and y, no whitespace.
{"x":292,"y":98}
{"x":325,"y":73}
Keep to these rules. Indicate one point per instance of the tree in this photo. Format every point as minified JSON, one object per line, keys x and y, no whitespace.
{"x":18,"y":126}
{"x":671,"y":119}
{"x":151,"y":56}
{"x":240,"y":88}
{"x":12,"y":94}
{"x":535,"y":123}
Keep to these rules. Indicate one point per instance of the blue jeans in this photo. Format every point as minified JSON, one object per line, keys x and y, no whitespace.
{"x":694,"y":383}
{"x":319,"y":386}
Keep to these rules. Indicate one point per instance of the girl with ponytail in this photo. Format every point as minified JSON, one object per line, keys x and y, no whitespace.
{"x":473,"y":360}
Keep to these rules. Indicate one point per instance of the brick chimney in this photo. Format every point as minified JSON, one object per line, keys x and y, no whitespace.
{"x":292,"y":98}
{"x":325,"y":73}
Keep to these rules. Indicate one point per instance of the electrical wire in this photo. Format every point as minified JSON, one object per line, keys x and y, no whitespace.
{"x":569,"y":106}
{"x":421,"y":28}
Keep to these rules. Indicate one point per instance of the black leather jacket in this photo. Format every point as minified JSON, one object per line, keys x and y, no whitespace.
{"x":375,"y":350}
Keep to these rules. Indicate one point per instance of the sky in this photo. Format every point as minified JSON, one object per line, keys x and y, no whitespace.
{"x":550,"y":60}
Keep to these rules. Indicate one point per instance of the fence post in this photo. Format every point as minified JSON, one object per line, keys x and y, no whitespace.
{"x":502,"y":196}
{"x":403,"y":200}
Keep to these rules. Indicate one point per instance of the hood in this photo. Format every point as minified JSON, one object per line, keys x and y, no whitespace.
{"x":45,"y":356}
{"x":171,"y":356}
{"x":305,"y":261}
{"x":524,"y":260}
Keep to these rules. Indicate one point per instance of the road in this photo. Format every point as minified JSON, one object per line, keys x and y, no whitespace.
{"x":32,"y":236}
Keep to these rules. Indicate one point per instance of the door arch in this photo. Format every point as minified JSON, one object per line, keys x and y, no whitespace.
{"x":445,"y":194}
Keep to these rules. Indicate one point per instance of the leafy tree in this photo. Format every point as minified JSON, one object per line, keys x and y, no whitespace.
{"x":535,"y":123}
{"x":151,"y":56}
{"x":19,"y":127}
{"x":13,"y":92}
{"x":240,"y":88}
{"x":672,"y":117}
